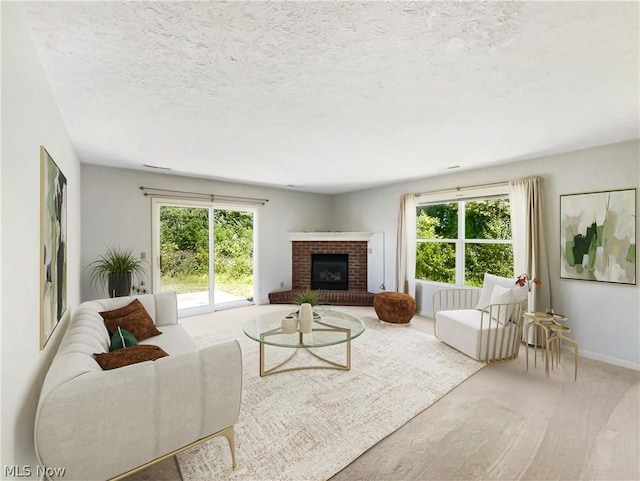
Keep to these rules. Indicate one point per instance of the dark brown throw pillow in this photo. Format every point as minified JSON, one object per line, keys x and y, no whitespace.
{"x":133,"y":318}
{"x":129,"y":355}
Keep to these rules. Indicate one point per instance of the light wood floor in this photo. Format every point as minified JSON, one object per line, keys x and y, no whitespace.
{"x":503,"y":423}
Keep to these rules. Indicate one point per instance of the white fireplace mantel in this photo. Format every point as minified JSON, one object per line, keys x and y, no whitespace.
{"x":330,"y":236}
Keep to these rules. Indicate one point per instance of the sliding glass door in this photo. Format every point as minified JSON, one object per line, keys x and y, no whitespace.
{"x":233,"y":257}
{"x":205,"y":253}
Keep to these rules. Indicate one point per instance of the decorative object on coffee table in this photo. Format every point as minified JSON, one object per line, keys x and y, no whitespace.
{"x":305,"y":318}
{"x":308,"y":296}
{"x":289,"y":324}
{"x":394,"y":307}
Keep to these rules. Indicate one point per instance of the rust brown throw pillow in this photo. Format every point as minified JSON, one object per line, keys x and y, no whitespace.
{"x":129,"y":355}
{"x":133,"y":318}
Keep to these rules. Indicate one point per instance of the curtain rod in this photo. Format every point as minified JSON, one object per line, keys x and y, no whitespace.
{"x":179,"y":194}
{"x":466,"y":187}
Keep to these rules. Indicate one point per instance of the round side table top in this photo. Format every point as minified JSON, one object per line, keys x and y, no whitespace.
{"x":543,"y":316}
{"x":559,"y":328}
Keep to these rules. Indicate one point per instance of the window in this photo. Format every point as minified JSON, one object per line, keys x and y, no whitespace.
{"x":458,"y":241}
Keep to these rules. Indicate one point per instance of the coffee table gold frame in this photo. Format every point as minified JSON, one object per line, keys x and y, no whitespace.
{"x":301,"y":345}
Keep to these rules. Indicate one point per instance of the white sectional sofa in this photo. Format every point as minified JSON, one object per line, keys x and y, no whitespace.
{"x":102,"y":424}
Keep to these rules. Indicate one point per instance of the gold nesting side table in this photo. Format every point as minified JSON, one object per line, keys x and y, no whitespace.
{"x":539,"y":322}
{"x":553,"y":347}
{"x":547,"y":326}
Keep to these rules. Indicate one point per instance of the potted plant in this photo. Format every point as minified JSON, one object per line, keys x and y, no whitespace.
{"x":307,"y":296}
{"x":115,"y":268}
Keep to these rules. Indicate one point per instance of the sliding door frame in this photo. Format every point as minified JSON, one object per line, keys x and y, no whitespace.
{"x":157,"y":203}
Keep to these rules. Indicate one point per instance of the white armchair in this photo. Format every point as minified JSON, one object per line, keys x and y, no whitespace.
{"x":485,"y":324}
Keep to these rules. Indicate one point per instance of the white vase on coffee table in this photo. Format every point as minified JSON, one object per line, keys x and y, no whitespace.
{"x":305,"y":317}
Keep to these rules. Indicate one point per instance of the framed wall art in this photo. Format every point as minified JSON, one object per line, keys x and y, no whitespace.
{"x":598,"y":236}
{"x":53,"y":245}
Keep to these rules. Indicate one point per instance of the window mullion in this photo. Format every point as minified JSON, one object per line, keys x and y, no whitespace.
{"x":438,"y":240}
{"x":488,"y":241}
{"x":460,"y":244}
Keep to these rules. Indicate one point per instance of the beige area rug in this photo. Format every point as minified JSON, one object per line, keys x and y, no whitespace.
{"x":309,"y":424}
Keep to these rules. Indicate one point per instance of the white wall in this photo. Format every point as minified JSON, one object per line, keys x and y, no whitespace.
{"x":115,"y":212}
{"x":604,"y":318}
{"x":30,"y":118}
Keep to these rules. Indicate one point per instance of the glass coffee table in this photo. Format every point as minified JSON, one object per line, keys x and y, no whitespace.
{"x":330,"y":327}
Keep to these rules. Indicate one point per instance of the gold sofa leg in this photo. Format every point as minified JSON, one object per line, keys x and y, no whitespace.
{"x":227,"y":433}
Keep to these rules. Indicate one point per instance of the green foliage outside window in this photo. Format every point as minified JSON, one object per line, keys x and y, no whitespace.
{"x":496,"y":259}
{"x":233,"y":236}
{"x":487,"y":219}
{"x":184,"y":241}
{"x":184,"y":245}
{"x":435,"y":261}
{"x":438,"y":221}
{"x":484,"y":219}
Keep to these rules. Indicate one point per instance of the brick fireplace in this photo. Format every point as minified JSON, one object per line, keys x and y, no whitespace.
{"x":304,"y":245}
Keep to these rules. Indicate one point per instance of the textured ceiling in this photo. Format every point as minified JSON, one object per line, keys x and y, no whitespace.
{"x":337,"y":96}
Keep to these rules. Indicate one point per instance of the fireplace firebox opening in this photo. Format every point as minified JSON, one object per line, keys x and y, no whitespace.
{"x":330,"y":271}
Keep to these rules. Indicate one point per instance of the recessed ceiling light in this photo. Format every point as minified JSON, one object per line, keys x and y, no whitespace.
{"x":450,"y":167}
{"x":156,"y":167}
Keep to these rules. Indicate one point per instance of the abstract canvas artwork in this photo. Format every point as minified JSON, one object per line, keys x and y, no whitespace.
{"x":53,"y":248}
{"x":598,"y":236}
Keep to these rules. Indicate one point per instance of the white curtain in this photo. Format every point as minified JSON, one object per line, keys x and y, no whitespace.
{"x":529,"y":246}
{"x":406,"y":246}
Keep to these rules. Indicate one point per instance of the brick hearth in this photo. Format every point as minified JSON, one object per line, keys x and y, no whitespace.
{"x":301,"y":251}
{"x":334,"y":298}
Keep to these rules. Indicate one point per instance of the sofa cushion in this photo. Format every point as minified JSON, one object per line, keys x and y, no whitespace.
{"x":174,"y":340}
{"x":129,"y":355}
{"x":134,"y":318}
{"x":461,"y":330}
{"x":501,"y":295}
{"x":520,"y":294}
{"x":487,"y":288}
{"x":121,"y":339}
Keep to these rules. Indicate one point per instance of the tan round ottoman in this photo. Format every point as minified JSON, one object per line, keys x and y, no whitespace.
{"x":394,"y":307}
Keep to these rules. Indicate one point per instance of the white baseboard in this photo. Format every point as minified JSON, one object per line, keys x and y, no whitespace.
{"x":588,"y":354}
{"x":604,"y":358}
